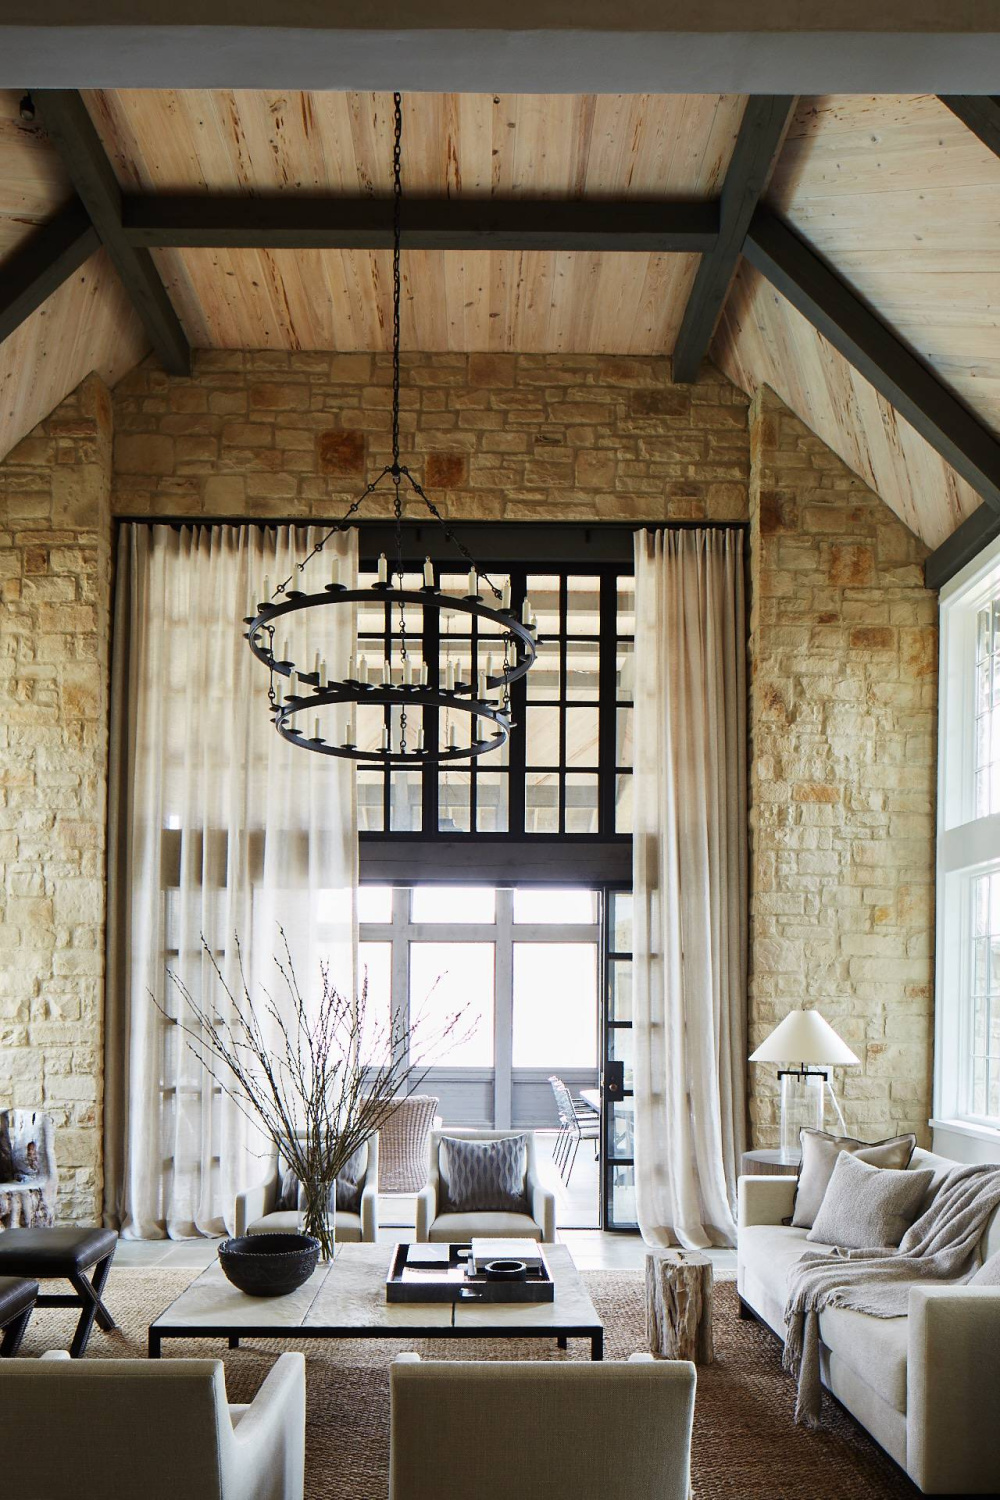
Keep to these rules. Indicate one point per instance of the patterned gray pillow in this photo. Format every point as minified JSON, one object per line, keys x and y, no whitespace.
{"x":484,"y":1176}
{"x":866,"y":1207}
{"x":346,"y":1191}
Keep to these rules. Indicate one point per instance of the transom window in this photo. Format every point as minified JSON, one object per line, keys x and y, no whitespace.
{"x":567,"y":768}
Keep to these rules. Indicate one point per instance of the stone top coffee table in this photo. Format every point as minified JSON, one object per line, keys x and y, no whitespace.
{"x":347,"y":1301}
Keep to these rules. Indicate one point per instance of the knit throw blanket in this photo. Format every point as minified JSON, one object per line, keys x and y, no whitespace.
{"x":942,"y":1245}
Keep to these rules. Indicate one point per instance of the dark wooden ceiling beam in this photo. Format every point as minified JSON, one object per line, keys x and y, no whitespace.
{"x":43,"y":263}
{"x":965,"y":543}
{"x":294,"y":222}
{"x":67,"y":123}
{"x":980,"y":112}
{"x":876,"y":352}
{"x":761,"y":133}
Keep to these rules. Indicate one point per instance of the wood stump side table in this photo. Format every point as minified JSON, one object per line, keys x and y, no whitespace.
{"x":679,"y":1305}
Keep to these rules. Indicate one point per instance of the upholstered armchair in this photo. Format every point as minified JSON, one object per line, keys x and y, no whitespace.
{"x":565,"y":1431}
{"x":257,"y":1210}
{"x":159,"y":1429}
{"x":29,"y":1181}
{"x":436,"y":1220}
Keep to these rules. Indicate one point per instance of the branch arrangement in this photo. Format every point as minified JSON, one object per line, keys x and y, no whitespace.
{"x":314,"y":1076}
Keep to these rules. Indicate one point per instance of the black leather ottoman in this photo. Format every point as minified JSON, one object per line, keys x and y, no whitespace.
{"x":64,"y":1254}
{"x":17,"y":1298}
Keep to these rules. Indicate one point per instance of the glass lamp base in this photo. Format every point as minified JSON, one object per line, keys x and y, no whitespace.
{"x":802,"y":1104}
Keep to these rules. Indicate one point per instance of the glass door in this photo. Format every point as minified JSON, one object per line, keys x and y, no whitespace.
{"x":618,"y":1176}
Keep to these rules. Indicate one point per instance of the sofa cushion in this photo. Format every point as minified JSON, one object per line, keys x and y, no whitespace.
{"x":874,"y":1348}
{"x":767,"y":1252}
{"x":458,"y":1229}
{"x":988,"y":1273}
{"x":820,"y":1152}
{"x":867,"y":1207}
{"x":347,"y":1226}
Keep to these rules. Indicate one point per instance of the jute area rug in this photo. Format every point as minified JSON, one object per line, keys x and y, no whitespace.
{"x":745,"y":1441}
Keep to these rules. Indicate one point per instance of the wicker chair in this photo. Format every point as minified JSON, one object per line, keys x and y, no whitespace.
{"x":403,"y":1144}
{"x":28,"y":1177}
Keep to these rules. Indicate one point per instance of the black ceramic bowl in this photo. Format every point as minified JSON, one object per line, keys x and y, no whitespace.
{"x":269,"y":1265}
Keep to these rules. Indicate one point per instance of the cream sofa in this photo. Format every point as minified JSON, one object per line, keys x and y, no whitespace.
{"x":926,"y":1386}
{"x":257,"y":1211}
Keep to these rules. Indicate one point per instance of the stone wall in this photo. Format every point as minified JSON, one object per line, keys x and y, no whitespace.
{"x":55,"y":536}
{"x":496,"y":437}
{"x":842,"y":706}
{"x":843,"y":732}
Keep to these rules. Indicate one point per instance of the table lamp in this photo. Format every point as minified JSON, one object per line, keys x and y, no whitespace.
{"x":809,"y":1046}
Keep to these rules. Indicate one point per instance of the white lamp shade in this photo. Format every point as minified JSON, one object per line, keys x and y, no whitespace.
{"x":804,"y":1037}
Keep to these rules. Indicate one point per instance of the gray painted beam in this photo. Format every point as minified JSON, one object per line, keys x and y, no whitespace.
{"x":981,"y":113}
{"x":761,"y":134}
{"x":41,"y":265}
{"x":975,"y":533}
{"x":71,"y":130}
{"x":292,"y":221}
{"x":875,"y":352}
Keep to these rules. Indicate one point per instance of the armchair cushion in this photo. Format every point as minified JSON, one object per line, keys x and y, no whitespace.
{"x":345,"y":1193}
{"x":457,"y":1229}
{"x":484,"y":1176}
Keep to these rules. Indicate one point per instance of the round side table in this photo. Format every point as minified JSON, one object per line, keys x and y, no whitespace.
{"x":767,"y":1164}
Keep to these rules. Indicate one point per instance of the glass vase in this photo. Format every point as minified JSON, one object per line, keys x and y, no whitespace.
{"x":316,"y":1218}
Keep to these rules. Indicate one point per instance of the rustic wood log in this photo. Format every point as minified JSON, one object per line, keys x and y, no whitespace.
{"x":679,"y":1305}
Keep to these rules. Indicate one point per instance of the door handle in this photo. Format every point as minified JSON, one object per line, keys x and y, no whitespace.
{"x":614,"y":1081}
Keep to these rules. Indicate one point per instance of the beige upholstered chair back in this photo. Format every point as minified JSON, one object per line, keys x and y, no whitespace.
{"x":116,"y":1426}
{"x":495,"y":1431}
{"x":436,"y":1174}
{"x":404,"y":1136}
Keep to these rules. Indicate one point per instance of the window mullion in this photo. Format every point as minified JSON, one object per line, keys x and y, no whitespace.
{"x":503,"y":1011}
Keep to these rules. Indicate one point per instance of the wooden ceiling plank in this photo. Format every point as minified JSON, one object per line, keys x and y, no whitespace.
{"x":762,"y":131}
{"x":981,"y":113}
{"x":875,"y":352}
{"x":39,"y":267}
{"x":292,"y":222}
{"x":72,"y":132}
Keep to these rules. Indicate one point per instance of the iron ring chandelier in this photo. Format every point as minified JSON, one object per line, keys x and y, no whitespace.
{"x":296,"y":693}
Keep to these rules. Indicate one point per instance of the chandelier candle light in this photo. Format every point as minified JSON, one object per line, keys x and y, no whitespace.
{"x":808,"y":1046}
{"x":399,"y":685}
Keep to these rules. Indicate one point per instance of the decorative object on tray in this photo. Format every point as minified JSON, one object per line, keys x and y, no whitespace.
{"x":679,"y":1305}
{"x":28,"y":1177}
{"x":318,"y":1075}
{"x":809,"y":1046}
{"x":422,"y":1273}
{"x":269,"y":1265}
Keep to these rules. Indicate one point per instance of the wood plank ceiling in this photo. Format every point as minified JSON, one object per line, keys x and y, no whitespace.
{"x":562,"y":146}
{"x":87,"y":324}
{"x":895,"y":193}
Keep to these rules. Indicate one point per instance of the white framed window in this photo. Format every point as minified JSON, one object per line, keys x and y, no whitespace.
{"x":967,"y":1052}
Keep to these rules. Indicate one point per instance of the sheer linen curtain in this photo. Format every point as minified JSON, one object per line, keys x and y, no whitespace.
{"x":690,"y":884}
{"x":218,"y":827}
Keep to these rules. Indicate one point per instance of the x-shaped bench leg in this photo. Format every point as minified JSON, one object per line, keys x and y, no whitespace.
{"x":89,"y":1293}
{"x":13,"y":1333}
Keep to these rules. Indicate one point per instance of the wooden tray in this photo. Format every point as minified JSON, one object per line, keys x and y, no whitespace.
{"x":409,"y":1282}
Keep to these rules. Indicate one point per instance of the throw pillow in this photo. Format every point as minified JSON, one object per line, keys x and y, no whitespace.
{"x":988,"y":1273}
{"x":866,"y":1207}
{"x":345,"y":1193}
{"x":819,"y":1157}
{"x":484,"y":1176}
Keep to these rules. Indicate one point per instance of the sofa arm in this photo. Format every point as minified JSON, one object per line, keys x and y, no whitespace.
{"x":765,"y":1200}
{"x":369,"y":1214}
{"x":952,"y":1376}
{"x":543,"y":1211}
{"x":426,"y":1212}
{"x":263,"y":1458}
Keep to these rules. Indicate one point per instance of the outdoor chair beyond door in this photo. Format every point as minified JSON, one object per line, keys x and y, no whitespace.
{"x":576,"y":1125}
